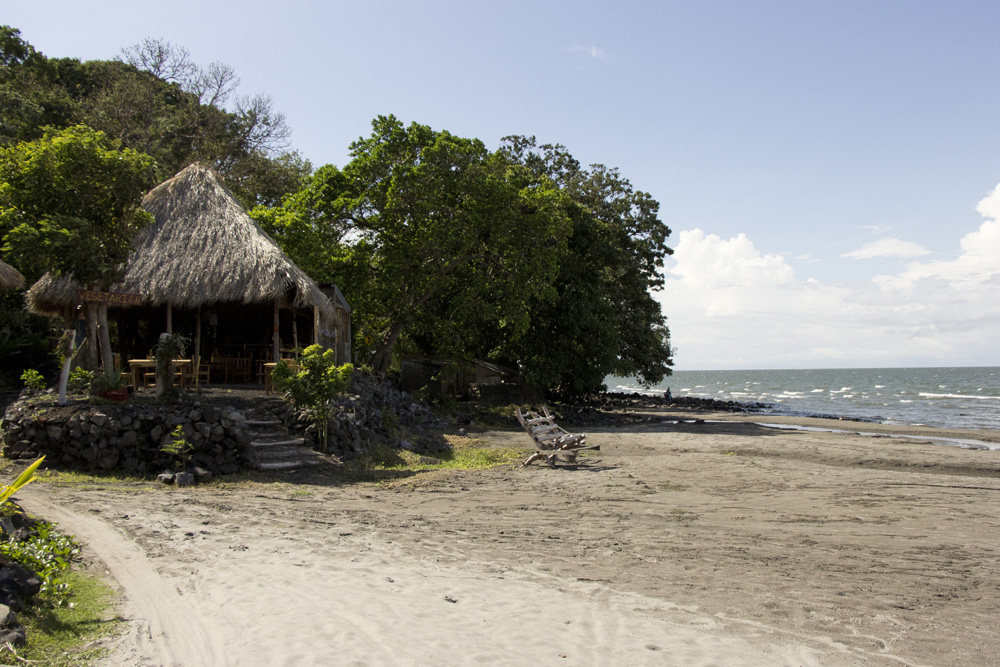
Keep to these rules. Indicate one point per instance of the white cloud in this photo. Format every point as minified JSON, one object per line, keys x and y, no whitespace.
{"x":887,"y":247}
{"x":593,"y":51}
{"x":729,"y":305}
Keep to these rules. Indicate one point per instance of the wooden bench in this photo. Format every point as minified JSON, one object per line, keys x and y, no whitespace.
{"x":551,"y":440}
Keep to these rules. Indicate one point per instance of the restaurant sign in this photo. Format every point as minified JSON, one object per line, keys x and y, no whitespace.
{"x":113,"y":298}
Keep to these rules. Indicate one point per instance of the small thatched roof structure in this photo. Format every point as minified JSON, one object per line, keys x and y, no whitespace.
{"x":201,"y":249}
{"x":10,"y":278}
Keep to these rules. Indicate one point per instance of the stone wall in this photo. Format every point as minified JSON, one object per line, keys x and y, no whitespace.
{"x":373,"y":413}
{"x":125,"y":437}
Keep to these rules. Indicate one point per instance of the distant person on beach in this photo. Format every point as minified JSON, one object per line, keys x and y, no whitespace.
{"x":667,"y":395}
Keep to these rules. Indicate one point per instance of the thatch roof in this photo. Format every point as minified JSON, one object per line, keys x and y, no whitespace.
{"x":201,"y":249}
{"x":10,"y":278}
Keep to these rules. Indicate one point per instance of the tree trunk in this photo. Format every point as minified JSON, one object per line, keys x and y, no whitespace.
{"x":107,"y":355}
{"x":91,"y":351}
{"x":383,"y":356}
{"x":69,"y":351}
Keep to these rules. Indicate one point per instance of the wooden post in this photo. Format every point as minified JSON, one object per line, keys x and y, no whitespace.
{"x":197,"y":349}
{"x":316,"y":325}
{"x":277,"y":338}
{"x":170,"y":319}
{"x":295,"y":335}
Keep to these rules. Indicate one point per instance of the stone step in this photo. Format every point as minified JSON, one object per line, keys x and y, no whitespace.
{"x":262,"y":422}
{"x":288,"y":465}
{"x":278,"y":443}
{"x":285,"y":452}
{"x":257,"y":435}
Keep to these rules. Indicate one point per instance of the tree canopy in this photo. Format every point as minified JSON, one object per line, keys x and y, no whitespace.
{"x":518,"y":255}
{"x":438,"y":238}
{"x":158,"y":102}
{"x":69,"y":203}
{"x":604,"y":320}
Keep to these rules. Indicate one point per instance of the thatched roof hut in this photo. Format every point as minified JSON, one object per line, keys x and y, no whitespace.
{"x":10,"y":278}
{"x":201,"y":249}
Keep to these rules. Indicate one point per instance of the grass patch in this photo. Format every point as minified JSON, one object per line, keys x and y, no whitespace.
{"x":465,"y":454}
{"x":113,"y":480}
{"x":384,"y":465}
{"x":69,"y":636}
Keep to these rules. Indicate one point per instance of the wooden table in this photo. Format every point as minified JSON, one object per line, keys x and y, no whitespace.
{"x":139,"y":368}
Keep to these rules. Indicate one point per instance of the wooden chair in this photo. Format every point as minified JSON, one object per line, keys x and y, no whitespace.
{"x":551,"y":440}
{"x":240,"y":368}
{"x":203,"y":373}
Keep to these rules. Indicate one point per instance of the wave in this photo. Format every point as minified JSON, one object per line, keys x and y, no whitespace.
{"x":927,"y":394}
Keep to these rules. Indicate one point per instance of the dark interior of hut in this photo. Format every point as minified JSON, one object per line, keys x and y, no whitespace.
{"x":229,"y":332}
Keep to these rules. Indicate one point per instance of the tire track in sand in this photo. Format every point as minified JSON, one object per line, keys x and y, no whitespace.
{"x":168,"y":629}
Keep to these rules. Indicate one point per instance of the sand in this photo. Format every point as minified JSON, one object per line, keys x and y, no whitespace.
{"x":716,"y":543}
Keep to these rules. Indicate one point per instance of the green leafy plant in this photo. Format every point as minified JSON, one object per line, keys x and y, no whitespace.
{"x":48,"y":554}
{"x":33,"y":380}
{"x":318,"y":381}
{"x":22,"y":480}
{"x":178,"y":447}
{"x":80,"y":380}
{"x":390,"y":422}
{"x":110,"y":379}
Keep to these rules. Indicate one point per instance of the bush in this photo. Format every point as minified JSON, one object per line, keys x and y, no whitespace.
{"x":47,"y":554}
{"x":318,"y":382}
{"x":33,"y":380}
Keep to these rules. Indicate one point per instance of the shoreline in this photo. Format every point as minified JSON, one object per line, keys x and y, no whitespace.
{"x":988,"y":438}
{"x":764,"y":414}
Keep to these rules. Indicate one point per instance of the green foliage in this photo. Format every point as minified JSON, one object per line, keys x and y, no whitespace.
{"x":69,"y":203}
{"x":81,"y":380}
{"x":178,"y":447}
{"x":155,"y":101}
{"x":439,"y":239}
{"x":33,"y":380}
{"x":318,"y":381}
{"x":48,"y":554}
{"x":390,"y":422}
{"x":25,"y":478}
{"x":110,"y":378}
{"x":604,"y":319}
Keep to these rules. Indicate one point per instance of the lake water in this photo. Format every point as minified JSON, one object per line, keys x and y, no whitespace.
{"x":943,"y":397}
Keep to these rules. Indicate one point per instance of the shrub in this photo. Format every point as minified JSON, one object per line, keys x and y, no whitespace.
{"x":179,"y":448}
{"x":318,"y":381}
{"x":80,"y":380}
{"x":33,"y":380}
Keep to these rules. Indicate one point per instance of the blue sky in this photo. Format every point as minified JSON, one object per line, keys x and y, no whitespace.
{"x":826,"y":168}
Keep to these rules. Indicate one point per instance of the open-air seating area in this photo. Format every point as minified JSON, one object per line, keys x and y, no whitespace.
{"x":220,"y":370}
{"x":551,"y":440}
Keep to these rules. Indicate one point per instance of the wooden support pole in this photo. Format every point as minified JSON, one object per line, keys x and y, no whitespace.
{"x":316,"y":325}
{"x":197,"y":348}
{"x":277,"y":338}
{"x":295,"y":335}
{"x":170,"y":319}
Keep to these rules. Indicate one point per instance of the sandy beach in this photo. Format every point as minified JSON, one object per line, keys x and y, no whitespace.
{"x":714,"y":543}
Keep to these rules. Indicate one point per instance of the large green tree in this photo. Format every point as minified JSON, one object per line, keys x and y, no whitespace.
{"x":604,"y":319}
{"x":437,"y":238}
{"x":69,"y":205}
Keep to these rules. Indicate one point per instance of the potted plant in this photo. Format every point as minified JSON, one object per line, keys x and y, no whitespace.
{"x":111,"y":384}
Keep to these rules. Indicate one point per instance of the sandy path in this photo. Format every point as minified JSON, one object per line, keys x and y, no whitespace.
{"x":712,"y":544}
